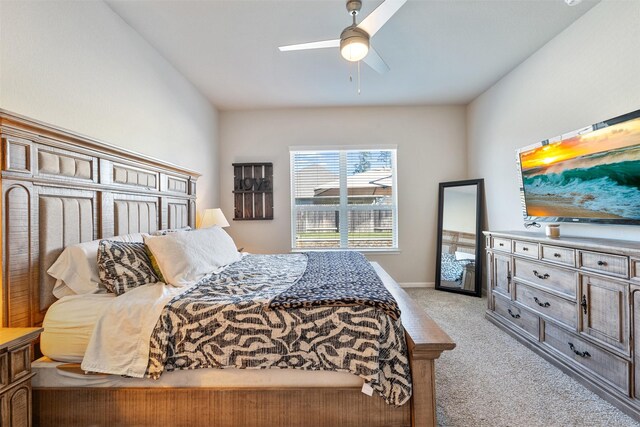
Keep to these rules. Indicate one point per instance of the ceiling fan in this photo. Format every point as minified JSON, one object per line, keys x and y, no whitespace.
{"x":354,"y":40}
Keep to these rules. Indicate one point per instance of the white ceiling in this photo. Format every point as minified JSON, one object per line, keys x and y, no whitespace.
{"x":440,"y":52}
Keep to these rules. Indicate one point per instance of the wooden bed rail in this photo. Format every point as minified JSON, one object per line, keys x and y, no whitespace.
{"x":426,"y":342}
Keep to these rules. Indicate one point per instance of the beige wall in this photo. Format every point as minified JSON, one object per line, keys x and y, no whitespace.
{"x":588,"y":73}
{"x":431,"y":148}
{"x":79,"y":66}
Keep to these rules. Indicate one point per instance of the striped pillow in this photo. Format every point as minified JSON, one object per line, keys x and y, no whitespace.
{"x":123,"y":266}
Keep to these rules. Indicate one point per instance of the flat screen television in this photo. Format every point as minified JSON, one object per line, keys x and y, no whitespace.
{"x":588,"y":175}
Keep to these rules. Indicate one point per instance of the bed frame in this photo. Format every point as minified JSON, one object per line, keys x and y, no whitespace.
{"x":61,"y":188}
{"x":453,"y":241}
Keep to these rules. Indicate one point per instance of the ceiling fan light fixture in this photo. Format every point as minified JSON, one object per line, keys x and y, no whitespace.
{"x":354,"y":44}
{"x":354,"y":50}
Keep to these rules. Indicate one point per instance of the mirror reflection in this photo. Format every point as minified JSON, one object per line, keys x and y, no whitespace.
{"x":459,"y":228}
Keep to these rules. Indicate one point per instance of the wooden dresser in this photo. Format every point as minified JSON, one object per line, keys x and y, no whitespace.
{"x":574,"y":301}
{"x":15,"y":375}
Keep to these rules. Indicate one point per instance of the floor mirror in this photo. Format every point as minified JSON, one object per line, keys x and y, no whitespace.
{"x":459,"y":262}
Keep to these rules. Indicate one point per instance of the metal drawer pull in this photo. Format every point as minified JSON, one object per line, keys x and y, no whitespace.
{"x":579,"y":353}
{"x":524,"y":248}
{"x":541,"y":276}
{"x":583,"y":303}
{"x":557,"y":255}
{"x":515,"y":316}
{"x":541,"y":304}
{"x":509,"y":277}
{"x":500,"y":244}
{"x":603,"y":263}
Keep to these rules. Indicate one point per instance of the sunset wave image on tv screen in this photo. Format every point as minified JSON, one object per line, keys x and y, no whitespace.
{"x":595,"y":175}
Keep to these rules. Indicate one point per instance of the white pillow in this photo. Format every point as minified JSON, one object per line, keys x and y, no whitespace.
{"x":76,"y":269}
{"x":170,"y":230}
{"x":464,"y":255}
{"x":61,"y":290}
{"x":185,"y":258}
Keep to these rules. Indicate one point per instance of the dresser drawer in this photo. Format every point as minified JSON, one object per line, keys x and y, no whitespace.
{"x":555,"y":278}
{"x":554,"y":307}
{"x":613,"y":265}
{"x":588,"y":357}
{"x":19,"y":362}
{"x":558,"y":255}
{"x":519,"y":316}
{"x":500,"y":244}
{"x":527,"y":249}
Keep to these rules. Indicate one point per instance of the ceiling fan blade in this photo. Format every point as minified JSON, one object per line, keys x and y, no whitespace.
{"x":375,"y":61}
{"x":376,"y":19}
{"x":313,"y":45}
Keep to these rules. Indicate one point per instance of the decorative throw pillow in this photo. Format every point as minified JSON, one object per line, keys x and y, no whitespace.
{"x":450,"y":269}
{"x":154,"y":263}
{"x":76,"y":269}
{"x":124,"y":266}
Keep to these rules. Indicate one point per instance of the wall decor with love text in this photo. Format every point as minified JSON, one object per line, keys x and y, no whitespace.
{"x":253,"y":191}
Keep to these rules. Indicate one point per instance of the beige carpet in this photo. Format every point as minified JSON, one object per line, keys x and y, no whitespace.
{"x":490,"y":379}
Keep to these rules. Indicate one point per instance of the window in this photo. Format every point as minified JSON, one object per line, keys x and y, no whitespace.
{"x":344,"y":199}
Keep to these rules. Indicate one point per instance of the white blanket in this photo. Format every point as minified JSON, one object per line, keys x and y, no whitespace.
{"x":119,"y":344}
{"x":120,"y":341}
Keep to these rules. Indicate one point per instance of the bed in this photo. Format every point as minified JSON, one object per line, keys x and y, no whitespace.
{"x":61,"y":188}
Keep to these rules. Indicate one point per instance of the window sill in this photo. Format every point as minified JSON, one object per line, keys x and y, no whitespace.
{"x":384,"y":251}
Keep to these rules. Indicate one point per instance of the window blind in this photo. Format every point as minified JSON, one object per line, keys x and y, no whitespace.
{"x":343,"y":199}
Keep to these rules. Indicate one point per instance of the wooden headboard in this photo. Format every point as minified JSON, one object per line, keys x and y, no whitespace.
{"x":60,"y":188}
{"x":458,"y":241}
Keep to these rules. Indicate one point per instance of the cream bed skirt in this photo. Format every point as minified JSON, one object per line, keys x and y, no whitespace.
{"x":48,"y":376}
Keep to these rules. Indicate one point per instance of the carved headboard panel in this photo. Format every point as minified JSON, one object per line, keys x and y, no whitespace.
{"x":458,"y":241}
{"x":60,"y":188}
{"x":177,"y":214}
{"x":66,"y":217}
{"x":135,"y":216}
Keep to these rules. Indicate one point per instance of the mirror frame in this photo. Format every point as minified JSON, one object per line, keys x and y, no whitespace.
{"x":479,"y":183}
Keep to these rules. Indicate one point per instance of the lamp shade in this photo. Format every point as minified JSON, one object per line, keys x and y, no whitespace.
{"x":213,"y":217}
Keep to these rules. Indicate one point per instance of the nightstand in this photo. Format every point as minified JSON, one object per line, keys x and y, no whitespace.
{"x":15,"y":375}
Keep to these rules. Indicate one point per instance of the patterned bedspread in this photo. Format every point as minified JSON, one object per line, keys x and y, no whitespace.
{"x":225,"y":322}
{"x":338,"y":279}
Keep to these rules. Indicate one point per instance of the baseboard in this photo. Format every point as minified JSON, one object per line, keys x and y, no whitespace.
{"x":417,"y":285}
